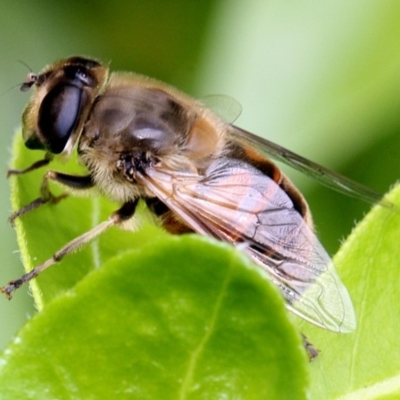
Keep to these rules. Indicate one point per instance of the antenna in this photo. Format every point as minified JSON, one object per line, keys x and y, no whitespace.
{"x":27,"y":84}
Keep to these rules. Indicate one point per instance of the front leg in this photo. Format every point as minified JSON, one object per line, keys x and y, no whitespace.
{"x":312,"y":352}
{"x":36,"y":165}
{"x":117,"y":218}
{"x":70,"y":182}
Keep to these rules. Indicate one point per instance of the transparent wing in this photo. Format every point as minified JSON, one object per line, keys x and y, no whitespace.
{"x":224,"y":106}
{"x":325,"y":176}
{"x":236,"y":203}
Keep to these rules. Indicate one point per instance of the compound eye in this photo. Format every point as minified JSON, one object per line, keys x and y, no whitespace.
{"x":79,"y":76}
{"x":83,"y":77}
{"x":58,"y":116}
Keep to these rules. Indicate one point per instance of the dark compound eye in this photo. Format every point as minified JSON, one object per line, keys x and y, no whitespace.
{"x":83,"y":76}
{"x":59,"y":114}
{"x":71,"y":85}
{"x":78,"y":76}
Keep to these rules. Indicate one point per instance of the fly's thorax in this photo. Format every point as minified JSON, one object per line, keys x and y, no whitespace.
{"x":137,"y":123}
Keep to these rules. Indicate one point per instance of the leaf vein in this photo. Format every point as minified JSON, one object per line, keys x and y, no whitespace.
{"x":187,"y":381}
{"x":386,"y":387}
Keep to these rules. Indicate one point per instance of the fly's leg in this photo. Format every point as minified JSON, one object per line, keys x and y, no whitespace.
{"x":310,"y":349}
{"x":36,"y":165}
{"x":118,"y":217}
{"x":71,"y":182}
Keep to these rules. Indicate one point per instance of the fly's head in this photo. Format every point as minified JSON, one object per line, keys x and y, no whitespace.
{"x":65,"y":91}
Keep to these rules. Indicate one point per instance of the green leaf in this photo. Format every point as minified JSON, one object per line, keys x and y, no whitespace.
{"x":366,"y":363}
{"x":180,"y":318}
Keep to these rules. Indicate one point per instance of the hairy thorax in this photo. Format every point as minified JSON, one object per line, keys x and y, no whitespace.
{"x":133,"y":127}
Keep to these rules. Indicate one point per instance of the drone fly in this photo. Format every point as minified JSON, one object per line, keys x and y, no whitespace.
{"x":141,"y":139}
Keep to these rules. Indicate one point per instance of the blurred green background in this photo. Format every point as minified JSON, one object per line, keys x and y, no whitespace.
{"x":320,"y":78}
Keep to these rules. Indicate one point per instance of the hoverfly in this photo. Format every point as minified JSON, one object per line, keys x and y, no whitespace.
{"x":143,"y":140}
